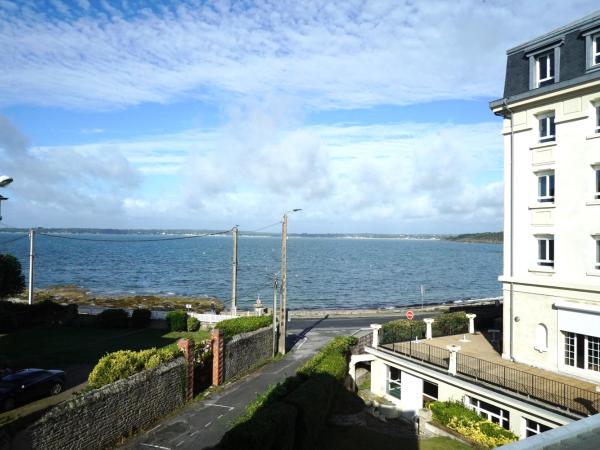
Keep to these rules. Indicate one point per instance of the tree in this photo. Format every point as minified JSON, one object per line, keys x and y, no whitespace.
{"x":12,"y":281}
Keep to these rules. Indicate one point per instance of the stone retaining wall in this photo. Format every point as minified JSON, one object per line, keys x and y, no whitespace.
{"x":246,"y":351}
{"x":99,"y":418}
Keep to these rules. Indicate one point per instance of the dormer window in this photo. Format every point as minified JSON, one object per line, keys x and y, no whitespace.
{"x":596,"y":50}
{"x":592,"y":49}
{"x":545,"y":69}
{"x":547,"y":128}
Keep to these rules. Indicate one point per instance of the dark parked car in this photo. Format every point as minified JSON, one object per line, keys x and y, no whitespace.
{"x":29,"y":384}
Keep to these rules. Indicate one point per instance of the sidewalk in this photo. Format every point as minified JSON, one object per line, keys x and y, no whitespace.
{"x":201,"y":425}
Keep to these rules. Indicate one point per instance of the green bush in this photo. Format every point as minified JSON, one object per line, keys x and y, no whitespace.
{"x":466,"y":422}
{"x":402,"y":330}
{"x":124,"y":363}
{"x":20,"y":315}
{"x":331,"y":360}
{"x":177,"y":320}
{"x":448,"y":324}
{"x":140,"y":318}
{"x":12,"y":281}
{"x":239,"y":325}
{"x":193,"y":324}
{"x":114,"y":318}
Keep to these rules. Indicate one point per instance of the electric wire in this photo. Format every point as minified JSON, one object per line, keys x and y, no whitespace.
{"x":14,"y":239}
{"x":178,"y":238}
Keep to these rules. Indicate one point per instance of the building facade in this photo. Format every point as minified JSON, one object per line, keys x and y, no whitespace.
{"x":547,"y":371}
{"x":551,"y":279}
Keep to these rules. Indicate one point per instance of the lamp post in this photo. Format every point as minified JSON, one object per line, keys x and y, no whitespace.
{"x":4,"y":181}
{"x":283,"y":303}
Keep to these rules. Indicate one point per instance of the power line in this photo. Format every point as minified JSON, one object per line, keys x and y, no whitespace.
{"x":178,"y":238}
{"x":265,"y":227}
{"x":13,"y":240}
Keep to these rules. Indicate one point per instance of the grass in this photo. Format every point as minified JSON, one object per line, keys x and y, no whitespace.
{"x":360,"y":438}
{"x":59,"y":347}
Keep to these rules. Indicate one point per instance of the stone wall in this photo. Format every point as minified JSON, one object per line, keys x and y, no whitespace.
{"x":246,"y":351}
{"x":99,"y":418}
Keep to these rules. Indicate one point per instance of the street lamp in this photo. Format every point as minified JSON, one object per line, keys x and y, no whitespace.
{"x":4,"y":181}
{"x":283,"y":303}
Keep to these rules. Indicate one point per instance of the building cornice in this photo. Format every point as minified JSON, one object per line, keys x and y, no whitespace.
{"x":551,"y":284}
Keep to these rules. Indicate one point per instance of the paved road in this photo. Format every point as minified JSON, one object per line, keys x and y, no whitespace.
{"x":201,"y":425}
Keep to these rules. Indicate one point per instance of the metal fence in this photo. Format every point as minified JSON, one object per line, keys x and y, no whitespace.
{"x":556,"y":393}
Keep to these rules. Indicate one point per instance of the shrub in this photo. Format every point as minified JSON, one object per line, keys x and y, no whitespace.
{"x":114,"y":318}
{"x":331,"y":360}
{"x":140,"y":318}
{"x":402,"y":330}
{"x":448,"y":324}
{"x":177,"y":320}
{"x":12,"y":281}
{"x":124,"y":363}
{"x":466,"y":422}
{"x":193,"y":324}
{"x":239,"y":325}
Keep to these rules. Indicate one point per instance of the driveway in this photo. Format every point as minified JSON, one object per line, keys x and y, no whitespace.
{"x":201,"y":425}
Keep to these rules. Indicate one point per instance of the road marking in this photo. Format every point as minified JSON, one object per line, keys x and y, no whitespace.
{"x":230,"y":408}
{"x":208,"y":424}
{"x":282,"y":368}
{"x":219,"y":416}
{"x":194,"y":433}
{"x":302,"y":343}
{"x":156,"y":446}
{"x":179,"y":443}
{"x":152,"y":429}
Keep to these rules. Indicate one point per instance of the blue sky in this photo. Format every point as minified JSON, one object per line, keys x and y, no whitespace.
{"x":371,"y":116}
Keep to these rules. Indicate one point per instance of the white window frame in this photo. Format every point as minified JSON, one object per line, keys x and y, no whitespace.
{"x":597,"y":125}
{"x":596,"y":182}
{"x":597,"y":251}
{"x":545,"y":240}
{"x":591,"y":352}
{"x":503,"y":418}
{"x":430,"y":397}
{"x":550,"y":68}
{"x":550,"y":121}
{"x":550,"y":180}
{"x":534,"y":64}
{"x":592,"y":49}
{"x":532,"y":427}
{"x":595,"y":61}
{"x":394,"y":385}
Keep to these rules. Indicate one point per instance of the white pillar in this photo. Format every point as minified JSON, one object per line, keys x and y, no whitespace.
{"x":376,"y":327}
{"x":471,"y":318}
{"x":428,"y":332}
{"x":452,"y":362}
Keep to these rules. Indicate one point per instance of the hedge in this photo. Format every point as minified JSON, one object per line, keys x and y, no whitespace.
{"x":469,"y":424}
{"x":193,"y":324}
{"x":19,"y":315}
{"x":140,"y":318}
{"x":444,"y":325}
{"x":114,"y":318}
{"x":177,"y":320}
{"x":231,"y":327}
{"x":269,"y":422}
{"x":124,"y":363}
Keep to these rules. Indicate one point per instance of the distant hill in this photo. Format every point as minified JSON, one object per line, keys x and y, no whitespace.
{"x":484,"y":238}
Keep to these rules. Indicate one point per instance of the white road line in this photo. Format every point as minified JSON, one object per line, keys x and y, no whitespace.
{"x":302,"y":343}
{"x":152,"y":429}
{"x":180,"y":443}
{"x":219,"y":416}
{"x":155,"y":446}
{"x":230,"y":408}
{"x":282,"y":368}
{"x":208,"y":424}
{"x":194,"y":433}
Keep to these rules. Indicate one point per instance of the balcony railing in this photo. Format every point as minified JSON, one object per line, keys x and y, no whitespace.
{"x":552,"y":392}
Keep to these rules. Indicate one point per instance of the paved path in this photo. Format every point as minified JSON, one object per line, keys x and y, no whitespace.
{"x":201,"y":425}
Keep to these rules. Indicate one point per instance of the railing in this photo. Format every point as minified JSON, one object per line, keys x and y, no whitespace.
{"x":421,"y":351}
{"x":556,"y":393}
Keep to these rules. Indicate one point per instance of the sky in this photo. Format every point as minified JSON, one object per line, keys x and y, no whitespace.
{"x":371,"y":116}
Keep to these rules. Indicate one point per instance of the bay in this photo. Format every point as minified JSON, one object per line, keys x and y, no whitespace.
{"x":323,"y":272}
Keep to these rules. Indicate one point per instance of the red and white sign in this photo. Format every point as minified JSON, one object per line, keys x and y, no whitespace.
{"x":410,"y":315}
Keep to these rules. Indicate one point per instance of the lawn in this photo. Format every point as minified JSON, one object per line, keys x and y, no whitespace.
{"x":362,"y":438}
{"x":60,"y":347}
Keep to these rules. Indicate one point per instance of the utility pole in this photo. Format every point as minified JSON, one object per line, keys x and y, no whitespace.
{"x":234,"y":270}
{"x":275,"y":315}
{"x":283,"y":305}
{"x":31,"y":257}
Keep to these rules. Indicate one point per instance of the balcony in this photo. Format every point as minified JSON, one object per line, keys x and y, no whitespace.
{"x":478,"y":360}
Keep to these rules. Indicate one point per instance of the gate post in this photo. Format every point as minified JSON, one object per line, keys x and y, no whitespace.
{"x":187,"y":346}
{"x":217,"y":348}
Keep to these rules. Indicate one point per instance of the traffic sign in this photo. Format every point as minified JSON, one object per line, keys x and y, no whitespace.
{"x":409,"y":315}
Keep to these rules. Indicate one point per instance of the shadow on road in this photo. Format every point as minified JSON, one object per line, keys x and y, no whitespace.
{"x":293,"y":338}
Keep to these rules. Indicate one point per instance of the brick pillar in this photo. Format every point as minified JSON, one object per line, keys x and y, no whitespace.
{"x":187,"y":346}
{"x":217,"y":349}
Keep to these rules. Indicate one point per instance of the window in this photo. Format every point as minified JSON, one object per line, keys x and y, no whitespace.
{"x":546,"y":251}
{"x":597,"y":129}
{"x":394,"y":382}
{"x":596,"y":49}
{"x":547,"y":128}
{"x":545,"y":68}
{"x":597,"y":183}
{"x":597,"y":243}
{"x":541,"y":337}
{"x":582,"y":351}
{"x":490,"y":412}
{"x":430,"y":391}
{"x":532,"y":428}
{"x":546,"y":188}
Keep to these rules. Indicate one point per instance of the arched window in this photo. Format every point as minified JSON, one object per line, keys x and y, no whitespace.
{"x":541,"y":338}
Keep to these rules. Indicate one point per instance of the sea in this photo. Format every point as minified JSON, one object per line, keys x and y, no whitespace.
{"x":339,"y":272}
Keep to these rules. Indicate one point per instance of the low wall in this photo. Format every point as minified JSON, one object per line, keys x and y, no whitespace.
{"x":99,"y":418}
{"x":247,"y":350}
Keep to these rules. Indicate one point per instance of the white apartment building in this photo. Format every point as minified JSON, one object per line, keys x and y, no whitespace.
{"x":547,"y":371}
{"x":551,"y":279}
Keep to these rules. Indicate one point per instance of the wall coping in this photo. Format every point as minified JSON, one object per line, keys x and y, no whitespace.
{"x":239,"y":337}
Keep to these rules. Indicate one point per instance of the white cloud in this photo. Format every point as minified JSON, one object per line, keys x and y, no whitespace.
{"x":336,"y":55}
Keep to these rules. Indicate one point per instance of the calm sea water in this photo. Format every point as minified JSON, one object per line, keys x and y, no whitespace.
{"x":322,"y":272}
